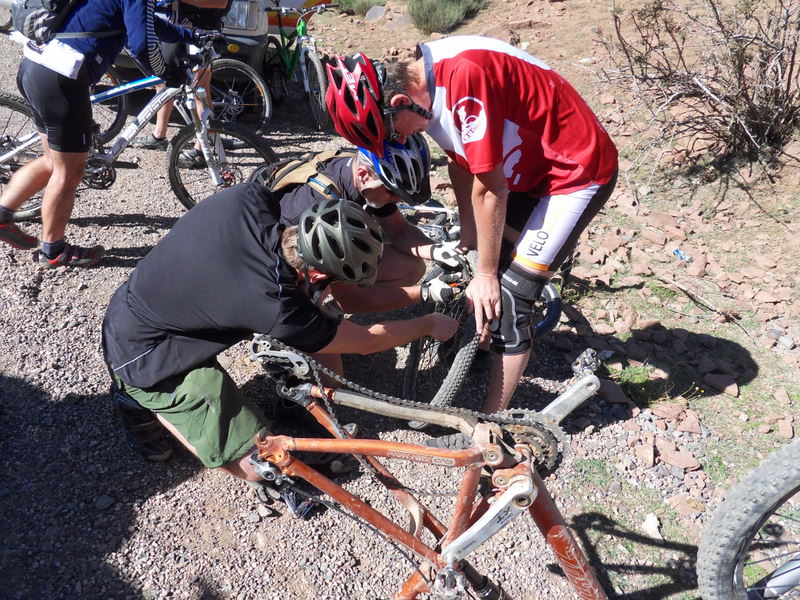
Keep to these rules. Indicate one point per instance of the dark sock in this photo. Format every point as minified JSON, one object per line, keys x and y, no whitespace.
{"x":53,"y":249}
{"x":6,"y":214}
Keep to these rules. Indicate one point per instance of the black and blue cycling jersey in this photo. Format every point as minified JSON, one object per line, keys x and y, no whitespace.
{"x":141,"y":34}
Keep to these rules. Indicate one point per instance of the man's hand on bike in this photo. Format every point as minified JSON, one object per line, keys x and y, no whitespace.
{"x":448,"y":255}
{"x":483,"y":298}
{"x":442,"y":289}
{"x":442,"y":327}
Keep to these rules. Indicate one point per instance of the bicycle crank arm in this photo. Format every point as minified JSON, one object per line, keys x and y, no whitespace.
{"x":428,"y":415}
{"x":516,"y":500}
{"x":586,"y":387}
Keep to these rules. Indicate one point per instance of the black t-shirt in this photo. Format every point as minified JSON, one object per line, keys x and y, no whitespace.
{"x":211,"y":282}
{"x":340,"y":172}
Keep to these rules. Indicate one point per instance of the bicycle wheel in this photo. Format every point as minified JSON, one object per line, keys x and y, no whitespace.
{"x":239,"y":94}
{"x":751,"y":547}
{"x":16,"y":126}
{"x":111,"y":114}
{"x":317,"y":87}
{"x":275,"y":72}
{"x":239,"y":151}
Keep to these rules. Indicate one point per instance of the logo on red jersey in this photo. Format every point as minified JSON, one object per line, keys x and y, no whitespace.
{"x":469,"y":117}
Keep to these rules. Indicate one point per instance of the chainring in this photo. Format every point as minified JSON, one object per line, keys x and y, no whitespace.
{"x":99,"y":174}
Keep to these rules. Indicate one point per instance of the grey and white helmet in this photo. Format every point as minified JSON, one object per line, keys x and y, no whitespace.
{"x":405,"y":169}
{"x":339,"y":238}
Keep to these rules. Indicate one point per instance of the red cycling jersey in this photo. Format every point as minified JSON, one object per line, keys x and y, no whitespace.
{"x":495,"y":104}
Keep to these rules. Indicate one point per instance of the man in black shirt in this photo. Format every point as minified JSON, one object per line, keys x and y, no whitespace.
{"x":229,"y":268}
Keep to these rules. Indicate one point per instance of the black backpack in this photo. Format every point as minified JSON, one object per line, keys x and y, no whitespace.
{"x":38,"y":20}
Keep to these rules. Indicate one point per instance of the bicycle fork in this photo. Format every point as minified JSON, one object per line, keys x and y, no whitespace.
{"x":201,"y":129}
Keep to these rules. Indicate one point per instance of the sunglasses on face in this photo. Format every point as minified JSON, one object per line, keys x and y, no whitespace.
{"x":390,"y":111}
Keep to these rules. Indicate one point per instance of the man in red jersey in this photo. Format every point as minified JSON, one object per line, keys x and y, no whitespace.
{"x":530,"y":164}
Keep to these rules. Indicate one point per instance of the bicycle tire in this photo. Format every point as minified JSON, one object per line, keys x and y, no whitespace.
{"x":239,"y":94}
{"x":275,"y":72}
{"x":111,"y":114}
{"x":742,"y":524}
{"x":446,"y":367}
{"x":317,"y":88}
{"x":244,"y":152}
{"x":443,"y":364}
{"x":16,"y":121}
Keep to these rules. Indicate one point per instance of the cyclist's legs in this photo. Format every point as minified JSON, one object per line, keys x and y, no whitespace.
{"x":551,"y":231}
{"x":59,"y":195}
{"x":28,"y":180}
{"x":208,"y":414}
{"x":63,"y":115}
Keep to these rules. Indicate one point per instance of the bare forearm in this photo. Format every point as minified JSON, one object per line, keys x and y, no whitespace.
{"x":358,"y":339}
{"x":462,"y":186}
{"x":490,"y":210}
{"x":376,"y":298}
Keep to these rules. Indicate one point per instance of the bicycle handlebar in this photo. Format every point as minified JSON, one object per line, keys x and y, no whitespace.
{"x":288,"y":10}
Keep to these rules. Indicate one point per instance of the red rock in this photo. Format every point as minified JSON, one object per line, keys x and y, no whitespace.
{"x":631,"y":426}
{"x":611,"y":392}
{"x":660,"y":220}
{"x":646,"y":455}
{"x":764,"y":428}
{"x":605,"y":329}
{"x":722,"y":382}
{"x":668,"y":410}
{"x":765,"y":262}
{"x":785,"y":429}
{"x":766,"y":297}
{"x":782,"y":396}
{"x":690,"y":424}
{"x":657,"y":238}
{"x":774,"y":418}
{"x":680,"y":458}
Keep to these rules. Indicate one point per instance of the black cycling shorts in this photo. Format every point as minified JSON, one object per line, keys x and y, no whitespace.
{"x":61,"y":107}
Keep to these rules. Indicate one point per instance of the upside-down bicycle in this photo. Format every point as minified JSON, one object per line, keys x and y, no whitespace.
{"x":500,"y":481}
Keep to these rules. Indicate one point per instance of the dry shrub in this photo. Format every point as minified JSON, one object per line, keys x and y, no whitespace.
{"x":713,"y":77}
{"x":442,"y":15}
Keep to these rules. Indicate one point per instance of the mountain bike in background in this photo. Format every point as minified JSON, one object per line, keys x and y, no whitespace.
{"x":294,"y":56}
{"x":228,"y":153}
{"x":751,"y":548}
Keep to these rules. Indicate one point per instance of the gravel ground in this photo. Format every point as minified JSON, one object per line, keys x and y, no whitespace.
{"x":85,"y":518}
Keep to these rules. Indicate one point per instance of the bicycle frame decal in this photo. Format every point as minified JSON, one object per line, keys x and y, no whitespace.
{"x":140,"y":120}
{"x":126,"y":88}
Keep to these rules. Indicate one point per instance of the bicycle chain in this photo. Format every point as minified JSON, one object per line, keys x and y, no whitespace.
{"x":524,"y":426}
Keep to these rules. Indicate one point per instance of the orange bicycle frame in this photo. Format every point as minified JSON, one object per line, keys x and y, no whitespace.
{"x":466,"y":521}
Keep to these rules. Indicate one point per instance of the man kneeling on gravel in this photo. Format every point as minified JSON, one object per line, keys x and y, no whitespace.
{"x":229,"y":268}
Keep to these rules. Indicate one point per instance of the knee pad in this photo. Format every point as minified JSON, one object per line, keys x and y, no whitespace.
{"x":519,"y":289}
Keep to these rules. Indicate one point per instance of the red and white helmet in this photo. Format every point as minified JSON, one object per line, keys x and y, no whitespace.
{"x":355,"y":100}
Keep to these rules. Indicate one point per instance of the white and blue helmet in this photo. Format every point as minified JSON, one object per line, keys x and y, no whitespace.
{"x":405,"y":168}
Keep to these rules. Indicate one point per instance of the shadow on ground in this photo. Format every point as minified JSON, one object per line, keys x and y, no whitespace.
{"x":69,"y":495}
